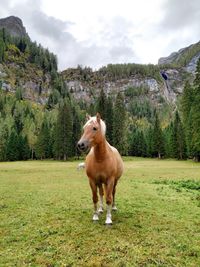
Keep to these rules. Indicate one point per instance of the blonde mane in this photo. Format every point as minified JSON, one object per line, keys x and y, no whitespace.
{"x":93,"y":119}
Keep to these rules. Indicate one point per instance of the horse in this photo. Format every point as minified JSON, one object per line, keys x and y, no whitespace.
{"x":103,"y":165}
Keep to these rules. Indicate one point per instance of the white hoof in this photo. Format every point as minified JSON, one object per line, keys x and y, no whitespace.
{"x":95,"y":217}
{"x":114,"y":208}
{"x":108,"y":220}
{"x":100,"y":210}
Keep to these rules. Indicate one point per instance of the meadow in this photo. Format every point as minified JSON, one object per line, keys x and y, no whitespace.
{"x":46,"y":216}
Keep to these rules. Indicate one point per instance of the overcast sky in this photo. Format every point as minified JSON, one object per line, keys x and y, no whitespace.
{"x":97,"y":32}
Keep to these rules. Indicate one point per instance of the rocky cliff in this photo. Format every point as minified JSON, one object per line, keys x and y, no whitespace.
{"x":172,"y":73}
{"x":167,"y":86}
{"x":185,"y":58}
{"x":13,"y":26}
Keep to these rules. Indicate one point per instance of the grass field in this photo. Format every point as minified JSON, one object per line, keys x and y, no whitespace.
{"x":46,"y":211}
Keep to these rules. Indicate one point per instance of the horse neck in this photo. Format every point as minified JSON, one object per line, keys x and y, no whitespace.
{"x":100,"y":149}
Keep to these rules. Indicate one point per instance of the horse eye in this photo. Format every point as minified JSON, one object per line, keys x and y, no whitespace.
{"x":94,"y":128}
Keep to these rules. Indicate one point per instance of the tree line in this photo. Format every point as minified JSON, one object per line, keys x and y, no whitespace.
{"x":12,"y":47}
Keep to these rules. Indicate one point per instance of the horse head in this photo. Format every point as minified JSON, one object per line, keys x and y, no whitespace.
{"x":93,"y":131}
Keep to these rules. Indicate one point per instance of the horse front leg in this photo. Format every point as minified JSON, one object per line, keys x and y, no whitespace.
{"x":109,"y":200}
{"x":100,"y":210}
{"x":95,"y":199}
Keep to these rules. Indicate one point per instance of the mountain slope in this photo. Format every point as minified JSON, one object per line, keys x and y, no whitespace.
{"x":23,"y":63}
{"x":186,"y":58}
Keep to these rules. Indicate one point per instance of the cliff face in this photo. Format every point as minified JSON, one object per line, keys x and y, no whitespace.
{"x":13,"y":26}
{"x":35,"y":84}
{"x":173,"y":72}
{"x":166,"y":88}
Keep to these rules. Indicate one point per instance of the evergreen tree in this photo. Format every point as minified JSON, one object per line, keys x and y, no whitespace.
{"x":109,"y":120}
{"x":23,"y":148}
{"x":19,"y":94}
{"x":195,"y":116}
{"x":43,"y":145}
{"x":53,"y":99}
{"x":168,"y":137}
{"x":12,"y":147}
{"x":180,"y":145}
{"x":158,"y":141}
{"x":3,"y":141}
{"x":149,"y":142}
{"x":2,"y":51}
{"x":119,"y":125}
{"x":76,"y":129}
{"x":187,"y":101}
{"x":102,"y":104}
{"x":63,"y":132}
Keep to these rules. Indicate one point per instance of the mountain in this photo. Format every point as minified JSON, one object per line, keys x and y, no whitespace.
{"x":23,"y":63}
{"x":14,"y":26}
{"x":163,"y":82}
{"x":34,"y":69}
{"x":186,"y":58}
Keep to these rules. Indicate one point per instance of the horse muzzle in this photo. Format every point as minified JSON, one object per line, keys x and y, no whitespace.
{"x":83,"y":145}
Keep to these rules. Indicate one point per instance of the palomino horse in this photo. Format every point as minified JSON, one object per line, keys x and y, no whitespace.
{"x":103,"y":165}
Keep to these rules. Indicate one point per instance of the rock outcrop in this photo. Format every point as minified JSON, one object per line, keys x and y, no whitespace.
{"x":185,"y":58}
{"x":13,"y":26}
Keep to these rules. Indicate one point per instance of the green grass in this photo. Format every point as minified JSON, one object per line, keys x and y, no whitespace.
{"x":46,"y":211}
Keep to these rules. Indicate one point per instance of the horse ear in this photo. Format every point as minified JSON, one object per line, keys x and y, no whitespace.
{"x":88,"y":117}
{"x":98,"y":116}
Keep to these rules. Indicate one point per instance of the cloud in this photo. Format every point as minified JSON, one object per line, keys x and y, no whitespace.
{"x":179,"y":14}
{"x":109,"y":45}
{"x":88,"y":34}
{"x":49,"y":26}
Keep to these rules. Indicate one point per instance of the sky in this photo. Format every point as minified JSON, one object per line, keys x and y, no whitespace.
{"x":94,"y":33}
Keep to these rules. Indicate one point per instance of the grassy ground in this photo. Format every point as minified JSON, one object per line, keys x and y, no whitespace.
{"x":46,"y":211}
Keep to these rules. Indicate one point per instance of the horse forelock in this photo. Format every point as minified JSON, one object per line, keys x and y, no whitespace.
{"x":93,"y":119}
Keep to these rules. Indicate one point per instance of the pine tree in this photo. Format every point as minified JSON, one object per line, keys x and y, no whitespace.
{"x":177,"y":139}
{"x":19,"y":94}
{"x":158,"y":141}
{"x":43,"y":145}
{"x":119,"y":125}
{"x":3,"y":141}
{"x":101,"y":104}
{"x":23,"y":148}
{"x":149,"y":142}
{"x":63,"y":132}
{"x":195,"y":116}
{"x":187,"y":101}
{"x":132,"y":141}
{"x":76,"y":129}
{"x":12,"y":147}
{"x":109,"y":120}
{"x":2,"y":51}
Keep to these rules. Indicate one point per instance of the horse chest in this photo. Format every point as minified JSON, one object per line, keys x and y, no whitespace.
{"x":99,"y":171}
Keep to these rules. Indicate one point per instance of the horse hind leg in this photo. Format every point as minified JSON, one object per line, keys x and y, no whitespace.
{"x":114,"y":208}
{"x":100,"y":210}
{"x":95,"y":200}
